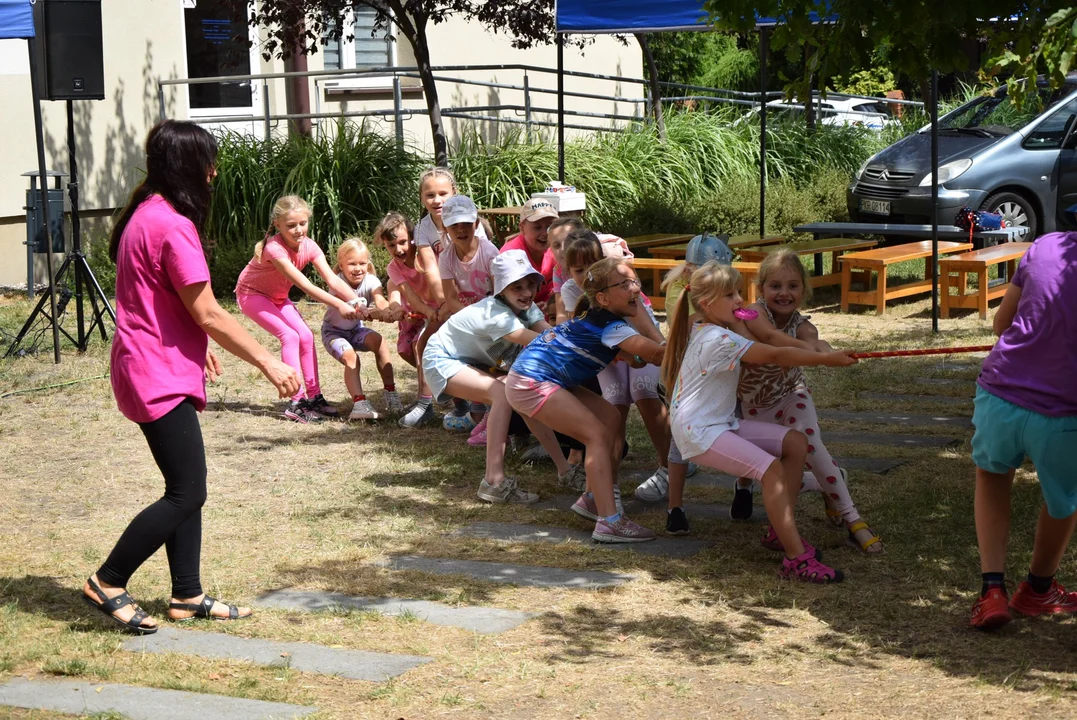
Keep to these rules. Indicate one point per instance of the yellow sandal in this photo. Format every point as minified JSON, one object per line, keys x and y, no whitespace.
{"x":863,"y":547}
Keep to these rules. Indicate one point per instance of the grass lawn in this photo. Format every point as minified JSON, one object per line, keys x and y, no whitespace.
{"x":714,"y":635}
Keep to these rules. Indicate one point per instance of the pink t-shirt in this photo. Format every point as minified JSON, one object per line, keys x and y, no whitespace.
{"x":158,"y":351}
{"x":545,"y":267}
{"x":401,"y":274}
{"x":473,"y":278}
{"x":261,"y":277}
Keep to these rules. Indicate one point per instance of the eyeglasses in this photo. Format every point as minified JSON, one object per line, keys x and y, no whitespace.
{"x":630,"y":284}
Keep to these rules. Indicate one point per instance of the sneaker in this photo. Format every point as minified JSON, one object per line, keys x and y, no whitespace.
{"x":478,"y":439}
{"x":741,"y":509}
{"x":990,"y":610}
{"x":393,"y":406}
{"x":321,"y":406}
{"x":300,"y":412}
{"x":807,"y":568}
{"x":617,"y":499}
{"x":363,"y":410}
{"x":1056,"y":600}
{"x":418,"y":415}
{"x":622,"y":531}
{"x":585,"y":507}
{"x":458,"y":422}
{"x":677,"y":522}
{"x":771,"y":541}
{"x":575,"y":479}
{"x":506,"y":492}
{"x":481,"y":427}
{"x":535,"y":453}
{"x":692,"y":470}
{"x":654,"y":488}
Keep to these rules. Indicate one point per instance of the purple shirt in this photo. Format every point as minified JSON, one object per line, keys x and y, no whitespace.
{"x":1034,"y":363}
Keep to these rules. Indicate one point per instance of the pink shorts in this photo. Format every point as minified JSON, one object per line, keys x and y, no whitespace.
{"x":748,"y":451}
{"x":527,"y":396}
{"x":410,"y":330}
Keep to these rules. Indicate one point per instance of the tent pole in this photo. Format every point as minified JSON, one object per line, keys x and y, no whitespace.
{"x":560,"y":108}
{"x":44,"y":187}
{"x":762,"y":131}
{"x":934,"y":201}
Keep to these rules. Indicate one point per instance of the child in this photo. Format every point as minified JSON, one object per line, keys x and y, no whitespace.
{"x":780,"y":395}
{"x":468,"y":355}
{"x":557,"y":234}
{"x":702,"y":366}
{"x":262,"y":295}
{"x":1026,"y":404}
{"x":412,"y":304}
{"x":536,"y":216}
{"x":344,"y":339}
{"x":544,"y":384}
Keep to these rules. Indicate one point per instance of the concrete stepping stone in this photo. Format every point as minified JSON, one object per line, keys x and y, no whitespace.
{"x":307,"y":657}
{"x":520,"y":532}
{"x":862,"y":438}
{"x":635,"y":507}
{"x":138,"y":703}
{"x":486,"y":620}
{"x":899,"y":397}
{"x":509,"y":573}
{"x":889,"y":418}
{"x":947,"y":381}
{"x":953,"y":366}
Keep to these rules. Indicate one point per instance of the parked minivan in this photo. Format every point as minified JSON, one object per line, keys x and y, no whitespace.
{"x":1021,"y":164}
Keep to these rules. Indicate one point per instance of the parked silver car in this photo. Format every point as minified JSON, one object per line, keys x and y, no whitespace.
{"x":992,"y":156}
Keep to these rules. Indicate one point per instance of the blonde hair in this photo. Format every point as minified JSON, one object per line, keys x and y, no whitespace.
{"x":284,"y":205}
{"x":386,"y":229}
{"x":706,"y":285}
{"x":437,"y":172}
{"x":353,"y":244}
{"x":676,"y":274}
{"x":788,"y":260}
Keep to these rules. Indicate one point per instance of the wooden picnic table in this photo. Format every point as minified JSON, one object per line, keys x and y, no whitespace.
{"x":977,"y":261}
{"x":878,"y":260}
{"x":656,"y":267}
{"x":735,"y":243}
{"x":834,"y":246}
{"x":643,"y":243}
{"x":505,"y":220}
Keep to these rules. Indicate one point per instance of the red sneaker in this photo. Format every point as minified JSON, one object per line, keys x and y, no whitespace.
{"x":1056,"y":600}
{"x":990,"y":610}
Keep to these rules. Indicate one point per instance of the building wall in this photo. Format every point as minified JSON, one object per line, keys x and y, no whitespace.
{"x":144,"y":41}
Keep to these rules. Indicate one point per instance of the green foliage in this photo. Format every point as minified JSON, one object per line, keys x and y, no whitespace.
{"x":875,"y":81}
{"x":103,"y":268}
{"x":705,"y":58}
{"x":1028,"y":49}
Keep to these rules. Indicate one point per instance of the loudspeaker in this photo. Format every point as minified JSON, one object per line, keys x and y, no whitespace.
{"x":70,"y":49}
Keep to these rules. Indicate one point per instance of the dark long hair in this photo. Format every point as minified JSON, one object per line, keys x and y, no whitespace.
{"x":179,"y":155}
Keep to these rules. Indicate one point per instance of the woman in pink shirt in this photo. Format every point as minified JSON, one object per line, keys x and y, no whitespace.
{"x":262,"y":294}
{"x":160,"y":360}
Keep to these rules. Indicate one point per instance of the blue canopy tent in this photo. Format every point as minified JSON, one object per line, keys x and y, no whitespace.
{"x":17,"y":23}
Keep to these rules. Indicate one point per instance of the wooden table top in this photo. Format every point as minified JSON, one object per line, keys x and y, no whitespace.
{"x":810,"y":247}
{"x":923,"y":231}
{"x":900,"y":253}
{"x":667,"y":264}
{"x":502,"y":210}
{"x":741,"y":241}
{"x":995,"y":253}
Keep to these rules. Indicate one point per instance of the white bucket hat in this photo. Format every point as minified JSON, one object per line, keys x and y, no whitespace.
{"x":510,"y":266}
{"x":458,"y":209}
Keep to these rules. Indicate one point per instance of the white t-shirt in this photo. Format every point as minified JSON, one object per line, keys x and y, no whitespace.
{"x":571,"y":294}
{"x":427,"y":235}
{"x":473,"y":278}
{"x":475,"y":335}
{"x":365,"y":293}
{"x":704,"y":399}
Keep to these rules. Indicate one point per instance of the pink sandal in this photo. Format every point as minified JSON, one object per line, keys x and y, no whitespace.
{"x":807,"y":568}
{"x":771,"y":541}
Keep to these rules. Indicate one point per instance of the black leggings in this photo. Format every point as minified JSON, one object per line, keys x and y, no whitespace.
{"x":175,"y":520}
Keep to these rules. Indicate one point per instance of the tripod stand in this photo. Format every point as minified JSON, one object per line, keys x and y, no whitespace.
{"x":75,"y":262}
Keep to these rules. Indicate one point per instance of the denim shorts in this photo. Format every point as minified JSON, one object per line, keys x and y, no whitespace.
{"x":1006,"y":433}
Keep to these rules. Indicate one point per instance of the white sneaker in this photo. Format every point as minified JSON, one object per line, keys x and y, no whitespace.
{"x":654,"y":488}
{"x":392,"y":403}
{"x":506,"y":492}
{"x":363,"y":410}
{"x":617,"y":498}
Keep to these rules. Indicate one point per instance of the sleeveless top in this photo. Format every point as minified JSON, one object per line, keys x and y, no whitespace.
{"x":764,"y":386}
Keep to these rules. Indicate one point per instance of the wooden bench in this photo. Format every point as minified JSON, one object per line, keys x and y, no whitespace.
{"x":657,"y":267}
{"x":835,"y":246}
{"x":643,"y":243}
{"x":736,"y":242}
{"x":862,"y":264}
{"x":504,"y":220}
{"x":977,"y":261}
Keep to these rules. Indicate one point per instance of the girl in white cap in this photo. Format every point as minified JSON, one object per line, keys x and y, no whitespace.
{"x":468,"y":358}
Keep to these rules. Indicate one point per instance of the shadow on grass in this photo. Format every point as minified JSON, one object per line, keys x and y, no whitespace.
{"x":42,"y":595}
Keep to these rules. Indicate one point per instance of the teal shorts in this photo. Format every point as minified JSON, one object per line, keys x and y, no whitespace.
{"x":1006,"y":433}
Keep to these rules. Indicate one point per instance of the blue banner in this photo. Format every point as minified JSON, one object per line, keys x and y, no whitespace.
{"x":632,"y":16}
{"x":16,"y":19}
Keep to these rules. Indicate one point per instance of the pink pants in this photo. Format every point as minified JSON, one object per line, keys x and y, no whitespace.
{"x":748,"y":451}
{"x":296,"y":339}
{"x":797,"y":412}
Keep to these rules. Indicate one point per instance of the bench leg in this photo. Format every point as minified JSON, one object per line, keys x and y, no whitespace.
{"x":981,"y":294}
{"x":944,"y":294}
{"x":962,"y":283}
{"x":818,"y":263}
{"x":880,"y":293}
{"x":846,"y":282}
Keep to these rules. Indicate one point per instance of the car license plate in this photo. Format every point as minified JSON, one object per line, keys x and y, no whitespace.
{"x":879,"y":207}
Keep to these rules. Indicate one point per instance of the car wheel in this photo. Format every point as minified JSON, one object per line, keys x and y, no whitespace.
{"x":1016,"y":210}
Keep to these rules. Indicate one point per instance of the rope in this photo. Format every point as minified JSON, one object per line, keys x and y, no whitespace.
{"x":926,"y":351}
{"x":52,"y":387}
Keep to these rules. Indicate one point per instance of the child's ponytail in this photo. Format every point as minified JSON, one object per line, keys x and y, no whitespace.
{"x":677,"y":343}
{"x":706,"y":285}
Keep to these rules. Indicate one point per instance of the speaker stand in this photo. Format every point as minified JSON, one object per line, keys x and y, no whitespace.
{"x":76,"y":262}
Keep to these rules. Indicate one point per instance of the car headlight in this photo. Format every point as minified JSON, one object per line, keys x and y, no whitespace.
{"x":950,"y":171}
{"x":864,"y":167}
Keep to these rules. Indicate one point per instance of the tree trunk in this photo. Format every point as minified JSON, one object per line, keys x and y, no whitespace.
{"x":299,"y":95}
{"x":656,"y":93}
{"x":809,"y":104}
{"x":413,"y":27}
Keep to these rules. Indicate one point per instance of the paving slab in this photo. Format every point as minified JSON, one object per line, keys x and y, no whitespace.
{"x":947,"y":381}
{"x":893,"y":418}
{"x":306,"y":657}
{"x":138,"y":703}
{"x":895,"y":440}
{"x":927,"y":399}
{"x":634,"y":507}
{"x":951,"y":366}
{"x":520,"y":532}
{"x":486,"y":620}
{"x":509,"y":573}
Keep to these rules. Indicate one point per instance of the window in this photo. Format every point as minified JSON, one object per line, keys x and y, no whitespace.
{"x":366,"y":49}
{"x":1050,"y":133}
{"x":213,"y":50}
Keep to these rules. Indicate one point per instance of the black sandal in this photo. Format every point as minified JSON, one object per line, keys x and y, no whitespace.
{"x":108,"y":606}
{"x":202,"y":609}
